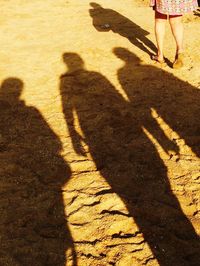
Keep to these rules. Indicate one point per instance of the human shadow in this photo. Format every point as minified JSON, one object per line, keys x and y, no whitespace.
{"x":114,"y":130}
{"x":33,"y":224}
{"x":177,"y":103}
{"x":105,"y":19}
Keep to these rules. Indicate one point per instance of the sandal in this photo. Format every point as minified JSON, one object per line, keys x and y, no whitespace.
{"x":162,"y":63}
{"x":178,"y":63}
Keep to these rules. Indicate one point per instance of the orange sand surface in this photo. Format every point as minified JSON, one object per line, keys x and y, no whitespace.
{"x":99,"y":146}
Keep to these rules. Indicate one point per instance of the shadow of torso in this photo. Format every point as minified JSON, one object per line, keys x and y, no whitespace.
{"x":33,"y":223}
{"x":127,"y":158}
{"x":105,"y":19}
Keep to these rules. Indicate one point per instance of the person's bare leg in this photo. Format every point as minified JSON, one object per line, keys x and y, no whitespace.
{"x":160,"y":21}
{"x":177,"y":31}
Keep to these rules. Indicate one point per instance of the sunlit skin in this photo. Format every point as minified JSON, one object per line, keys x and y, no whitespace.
{"x":176,"y":28}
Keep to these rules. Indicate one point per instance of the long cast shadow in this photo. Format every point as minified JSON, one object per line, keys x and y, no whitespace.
{"x":114,"y":131}
{"x":177,"y":103}
{"x":105,"y":19}
{"x":33,"y":225}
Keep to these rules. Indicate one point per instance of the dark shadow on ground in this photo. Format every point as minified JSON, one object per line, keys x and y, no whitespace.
{"x":176,"y":101}
{"x":114,"y":131}
{"x":33,"y":228}
{"x":105,"y":19}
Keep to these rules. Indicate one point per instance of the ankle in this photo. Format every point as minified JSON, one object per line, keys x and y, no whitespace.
{"x":160,"y":56}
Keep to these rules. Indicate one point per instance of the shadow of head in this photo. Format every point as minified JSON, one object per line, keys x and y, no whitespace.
{"x":11,"y":88}
{"x":73,"y":61}
{"x":126,"y":56}
{"x":101,"y":17}
{"x":95,"y":5}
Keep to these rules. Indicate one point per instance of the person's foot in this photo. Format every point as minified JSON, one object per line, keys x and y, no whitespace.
{"x":159,"y":60}
{"x":178,"y":63}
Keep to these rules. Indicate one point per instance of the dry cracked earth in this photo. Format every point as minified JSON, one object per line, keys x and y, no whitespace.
{"x":99,"y":146}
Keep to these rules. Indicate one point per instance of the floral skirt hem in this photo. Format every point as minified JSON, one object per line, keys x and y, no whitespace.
{"x":167,"y":7}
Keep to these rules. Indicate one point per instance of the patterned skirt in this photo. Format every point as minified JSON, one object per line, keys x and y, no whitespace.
{"x":174,"y":7}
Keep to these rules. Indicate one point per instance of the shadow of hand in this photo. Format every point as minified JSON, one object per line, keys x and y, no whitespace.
{"x":77,"y":141}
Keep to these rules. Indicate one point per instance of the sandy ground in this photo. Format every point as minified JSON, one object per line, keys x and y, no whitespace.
{"x":99,"y":146}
